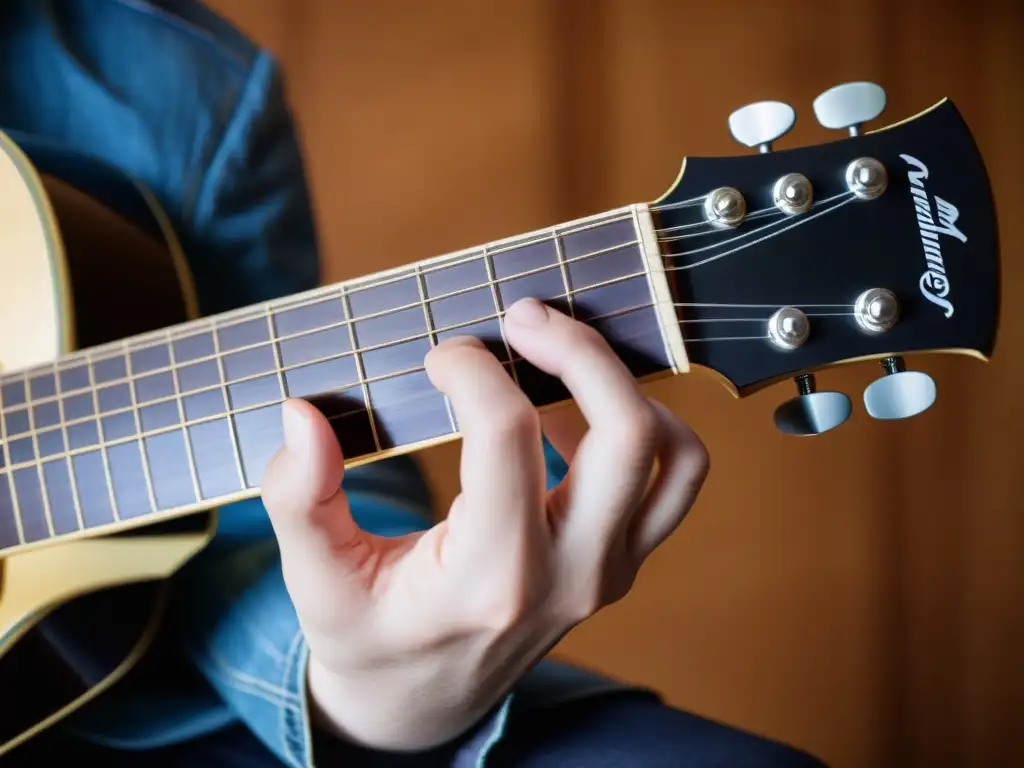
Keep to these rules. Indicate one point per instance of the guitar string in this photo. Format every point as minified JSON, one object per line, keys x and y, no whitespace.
{"x":62,"y":364}
{"x":223,"y":387}
{"x":123,"y":347}
{"x":271,"y":310}
{"x":363,"y":349}
{"x":251,"y":313}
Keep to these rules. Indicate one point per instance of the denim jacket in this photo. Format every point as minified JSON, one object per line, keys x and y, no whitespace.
{"x":172,"y":95}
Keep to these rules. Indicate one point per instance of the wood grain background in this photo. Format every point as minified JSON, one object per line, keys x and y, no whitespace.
{"x":860,"y":594}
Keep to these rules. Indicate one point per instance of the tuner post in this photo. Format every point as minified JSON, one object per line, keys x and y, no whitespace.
{"x":866,"y":178}
{"x":725,"y":207}
{"x":793,"y":193}
{"x":876,"y":310}
{"x":788,"y":328}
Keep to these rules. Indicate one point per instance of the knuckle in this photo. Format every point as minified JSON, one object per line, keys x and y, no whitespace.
{"x":639,"y":429}
{"x":503,"y":609}
{"x":517,"y":421}
{"x":597,"y":594}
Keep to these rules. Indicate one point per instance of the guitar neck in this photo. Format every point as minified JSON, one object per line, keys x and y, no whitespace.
{"x":185,"y":419}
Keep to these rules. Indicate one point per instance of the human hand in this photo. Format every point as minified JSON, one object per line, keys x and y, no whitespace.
{"x":413,"y":639}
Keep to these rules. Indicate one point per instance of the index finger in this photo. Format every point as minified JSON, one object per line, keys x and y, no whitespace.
{"x":502,"y":472}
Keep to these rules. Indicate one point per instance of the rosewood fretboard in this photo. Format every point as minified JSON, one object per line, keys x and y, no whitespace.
{"x":187,"y":418}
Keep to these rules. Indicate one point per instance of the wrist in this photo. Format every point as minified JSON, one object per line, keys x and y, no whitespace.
{"x":383,"y":711}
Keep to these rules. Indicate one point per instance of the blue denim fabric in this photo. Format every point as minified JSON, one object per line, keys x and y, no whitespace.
{"x":173,"y":96}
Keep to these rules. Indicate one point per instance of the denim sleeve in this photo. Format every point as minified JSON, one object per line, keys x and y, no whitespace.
{"x":251,"y":233}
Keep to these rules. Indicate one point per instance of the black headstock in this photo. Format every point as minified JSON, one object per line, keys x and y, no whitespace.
{"x":925,"y":248}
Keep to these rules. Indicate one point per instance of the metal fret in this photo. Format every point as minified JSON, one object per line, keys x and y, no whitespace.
{"x":563,"y":267}
{"x":489,"y":265}
{"x":227,"y":403}
{"x":67,"y":446}
{"x":358,"y":359}
{"x":428,"y":318}
{"x":150,"y":490}
{"x":10,"y":471}
{"x":277,"y":353}
{"x":114,"y":509}
{"x":192,"y":468}
{"x":44,"y":496}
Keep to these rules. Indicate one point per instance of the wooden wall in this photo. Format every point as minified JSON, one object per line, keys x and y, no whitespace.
{"x":860,"y":594}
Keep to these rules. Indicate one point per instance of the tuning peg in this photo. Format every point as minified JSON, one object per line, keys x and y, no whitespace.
{"x":812,"y":412}
{"x":761,"y":123}
{"x":899,"y":393}
{"x":849,"y":106}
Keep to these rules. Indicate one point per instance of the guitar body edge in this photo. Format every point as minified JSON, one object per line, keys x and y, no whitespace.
{"x":62,"y":256}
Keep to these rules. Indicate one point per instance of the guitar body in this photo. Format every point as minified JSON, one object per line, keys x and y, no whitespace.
{"x":81,"y":274}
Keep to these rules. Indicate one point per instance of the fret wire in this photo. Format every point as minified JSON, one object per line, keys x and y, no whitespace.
{"x":326,"y":358}
{"x":514,"y":245}
{"x":316,"y":295}
{"x":114,"y":511}
{"x":560,"y":258}
{"x":143,"y":455}
{"x":276,"y":347}
{"x":39,"y":466}
{"x":64,"y":433}
{"x":192,"y":468}
{"x":346,"y":306}
{"x":428,"y":318}
{"x":10,"y":470}
{"x":439,"y":297}
{"x":343,"y":388}
{"x":488,"y":263}
{"x":227,"y":403}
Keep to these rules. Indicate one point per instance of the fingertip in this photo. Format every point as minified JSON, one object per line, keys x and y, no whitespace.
{"x":439,"y":358}
{"x":527,"y":313}
{"x":296,"y":423}
{"x":311,"y":449}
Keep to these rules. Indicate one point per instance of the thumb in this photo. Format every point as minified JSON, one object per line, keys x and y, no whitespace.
{"x":301,"y":490}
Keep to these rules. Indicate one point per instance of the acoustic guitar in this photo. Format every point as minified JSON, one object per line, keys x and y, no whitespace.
{"x":126,"y":419}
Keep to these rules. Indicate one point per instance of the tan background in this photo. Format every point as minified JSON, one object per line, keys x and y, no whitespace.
{"x":858,"y":594}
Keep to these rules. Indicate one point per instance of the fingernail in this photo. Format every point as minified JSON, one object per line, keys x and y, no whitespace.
{"x":294,"y":426}
{"x":527,"y":312}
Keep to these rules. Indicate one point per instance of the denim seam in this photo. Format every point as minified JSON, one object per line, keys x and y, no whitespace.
{"x":290,"y":731}
{"x":165,"y":18}
{"x":235,"y":124}
{"x":228,"y":671}
{"x":496,"y":732}
{"x":240,"y":686}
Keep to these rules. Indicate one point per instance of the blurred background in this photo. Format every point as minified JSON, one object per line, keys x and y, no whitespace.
{"x":859,"y":594}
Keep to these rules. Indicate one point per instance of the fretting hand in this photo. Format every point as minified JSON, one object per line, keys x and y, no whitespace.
{"x":412,"y":639}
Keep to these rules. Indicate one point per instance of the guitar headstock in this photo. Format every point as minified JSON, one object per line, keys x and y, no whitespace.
{"x":873,"y":246}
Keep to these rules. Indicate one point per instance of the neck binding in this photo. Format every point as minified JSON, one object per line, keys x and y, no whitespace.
{"x":186,"y":419}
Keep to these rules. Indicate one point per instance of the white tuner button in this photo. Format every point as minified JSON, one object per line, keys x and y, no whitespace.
{"x":849,"y":106}
{"x":761,"y":123}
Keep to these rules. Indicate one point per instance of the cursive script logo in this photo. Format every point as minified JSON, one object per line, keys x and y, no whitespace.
{"x":934,"y":282}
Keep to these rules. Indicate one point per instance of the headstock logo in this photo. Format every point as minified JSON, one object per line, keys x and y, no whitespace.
{"x":934,"y":282}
